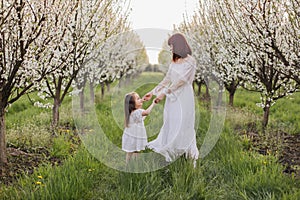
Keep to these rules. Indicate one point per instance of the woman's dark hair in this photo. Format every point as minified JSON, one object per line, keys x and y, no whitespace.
{"x":129,"y":106}
{"x":181,"y":48}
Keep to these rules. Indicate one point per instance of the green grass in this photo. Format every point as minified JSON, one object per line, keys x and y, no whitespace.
{"x":230,"y":171}
{"x":284,"y":114}
{"x":30,"y":126}
{"x":72,"y":180}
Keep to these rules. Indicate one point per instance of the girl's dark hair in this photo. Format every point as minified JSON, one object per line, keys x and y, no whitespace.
{"x":181,"y":48}
{"x":129,"y":106}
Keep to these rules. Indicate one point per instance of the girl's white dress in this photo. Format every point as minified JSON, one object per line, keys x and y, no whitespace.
{"x":134,"y":136}
{"x":177,"y":135}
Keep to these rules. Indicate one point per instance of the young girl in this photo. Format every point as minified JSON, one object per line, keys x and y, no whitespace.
{"x":134,"y":137}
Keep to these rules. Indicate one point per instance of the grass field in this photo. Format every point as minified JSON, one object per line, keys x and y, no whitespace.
{"x":232,"y":170}
{"x":283,"y":115}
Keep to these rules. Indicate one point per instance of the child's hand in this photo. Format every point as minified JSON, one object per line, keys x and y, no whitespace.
{"x":147,"y":96}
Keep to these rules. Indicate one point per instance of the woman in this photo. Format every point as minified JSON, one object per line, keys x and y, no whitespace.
{"x":177,"y":135}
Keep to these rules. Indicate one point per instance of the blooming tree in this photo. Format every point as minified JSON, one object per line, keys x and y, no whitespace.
{"x":82,"y":29}
{"x":255,"y":27}
{"x":118,"y":57}
{"x":109,"y":23}
{"x":214,"y":47}
{"x":26,"y":42}
{"x":286,"y":48}
{"x":250,"y":43}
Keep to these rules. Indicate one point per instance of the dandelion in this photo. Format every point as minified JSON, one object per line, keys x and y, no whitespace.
{"x":38,"y":183}
{"x":40,"y":177}
{"x":293,"y":175}
{"x":265,"y":163}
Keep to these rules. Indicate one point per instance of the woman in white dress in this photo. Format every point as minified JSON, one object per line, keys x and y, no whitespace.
{"x":134,"y":137}
{"x":177,"y":135}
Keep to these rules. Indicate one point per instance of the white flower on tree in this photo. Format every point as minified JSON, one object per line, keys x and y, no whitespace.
{"x":26,"y":43}
{"x":82,"y":28}
{"x":253,"y":43}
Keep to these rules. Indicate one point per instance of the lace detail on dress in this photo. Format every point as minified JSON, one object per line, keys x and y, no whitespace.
{"x":136,"y":116}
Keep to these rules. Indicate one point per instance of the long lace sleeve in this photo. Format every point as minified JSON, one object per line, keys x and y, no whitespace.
{"x":163,"y":84}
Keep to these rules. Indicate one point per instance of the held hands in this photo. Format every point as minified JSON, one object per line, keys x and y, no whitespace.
{"x":159,"y":98}
{"x":147,"y":96}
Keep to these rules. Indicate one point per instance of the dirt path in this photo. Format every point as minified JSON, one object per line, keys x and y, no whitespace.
{"x":24,"y":162}
{"x":290,"y":155}
{"x":286,"y":146}
{"x":283,"y":145}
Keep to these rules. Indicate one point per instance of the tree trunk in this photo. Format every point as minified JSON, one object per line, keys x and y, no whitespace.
{"x":120,"y":83}
{"x":232,"y":89}
{"x":231,"y":98}
{"x":127,"y":79}
{"x":108,"y":86}
{"x":92,"y":93}
{"x":266,"y":114}
{"x":55,"y":112}
{"x":199,"y":89}
{"x":220,"y":94}
{"x":102,"y":90}
{"x":3,"y":155}
{"x":207,"y":95}
{"x":81,"y":96}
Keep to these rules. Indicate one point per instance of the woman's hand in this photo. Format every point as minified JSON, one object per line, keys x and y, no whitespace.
{"x":147,"y":96}
{"x":159,"y":98}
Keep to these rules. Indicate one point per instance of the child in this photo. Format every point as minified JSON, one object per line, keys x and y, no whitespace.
{"x":134,"y":137}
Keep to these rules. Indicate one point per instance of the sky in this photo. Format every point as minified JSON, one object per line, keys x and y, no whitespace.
{"x":156,"y":19}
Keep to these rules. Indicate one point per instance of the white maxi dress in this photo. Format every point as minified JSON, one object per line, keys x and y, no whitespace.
{"x":177,"y":135}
